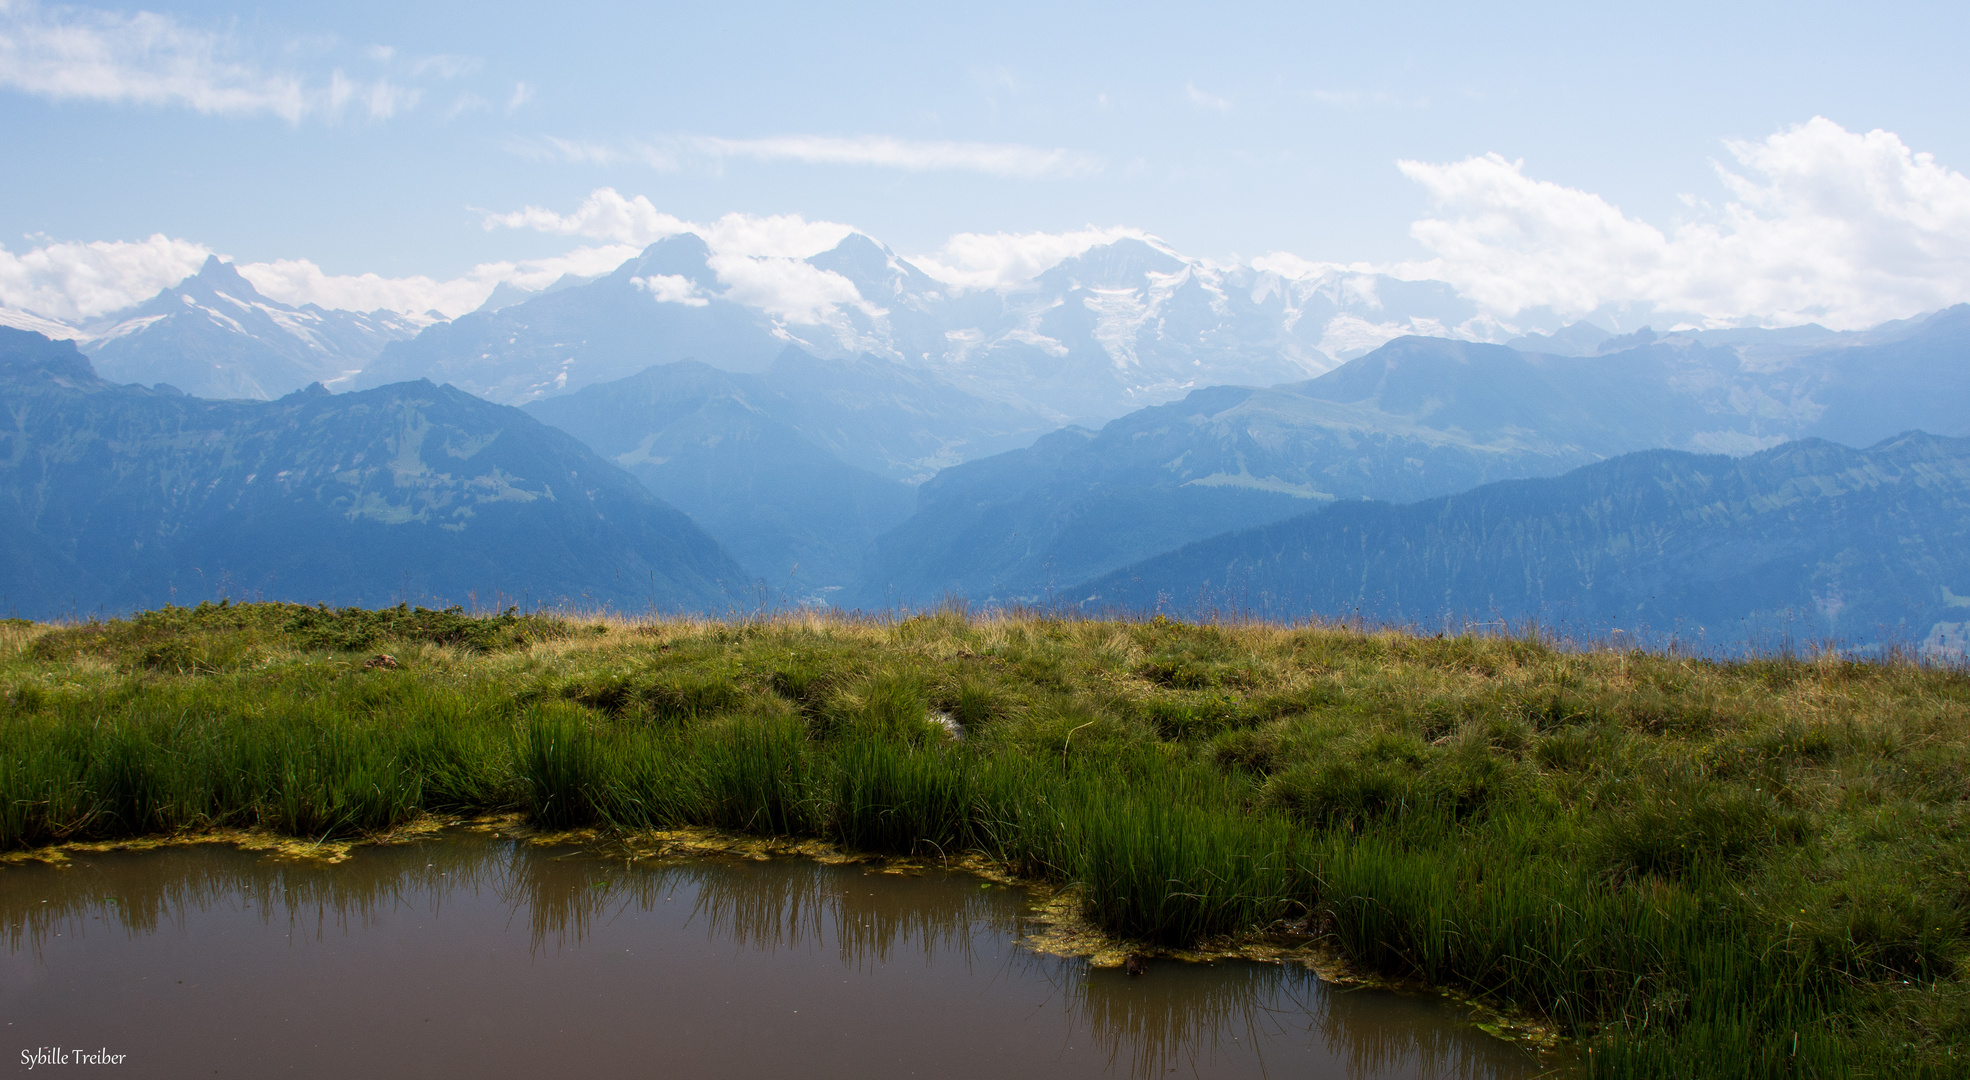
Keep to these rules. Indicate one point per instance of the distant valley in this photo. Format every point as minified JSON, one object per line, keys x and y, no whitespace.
{"x":795,"y":469}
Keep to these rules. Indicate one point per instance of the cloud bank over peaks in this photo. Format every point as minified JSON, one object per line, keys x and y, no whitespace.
{"x":300,"y":281}
{"x":760,"y":259}
{"x":73,"y":283}
{"x":1822,"y":225}
{"x":1006,"y":261}
{"x":1000,"y":261}
{"x":607,"y":215}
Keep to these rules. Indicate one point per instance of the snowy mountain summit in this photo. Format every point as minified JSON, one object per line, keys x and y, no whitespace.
{"x":213,"y":335}
{"x":1118,"y":326}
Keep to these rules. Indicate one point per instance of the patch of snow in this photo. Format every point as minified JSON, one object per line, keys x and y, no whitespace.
{"x":27,"y":320}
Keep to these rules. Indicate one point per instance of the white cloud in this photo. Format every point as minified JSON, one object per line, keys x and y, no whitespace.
{"x":1294,"y":268}
{"x":759,"y":259}
{"x":382,"y":99}
{"x":578,"y":152}
{"x":604,"y":215}
{"x":786,"y":288}
{"x":445,"y":66}
{"x":997,"y":159}
{"x":143,"y":58}
{"x":671,"y":289}
{"x":1204,"y":100}
{"x":607,"y":215}
{"x":879,"y":151}
{"x":1009,"y":260}
{"x":972,"y":260}
{"x":464,"y":103}
{"x":300,"y":281}
{"x":522,"y":93}
{"x":1823,"y":225}
{"x":73,"y":282}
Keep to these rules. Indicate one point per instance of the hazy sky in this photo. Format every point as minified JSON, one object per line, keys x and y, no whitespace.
{"x":376,"y":137}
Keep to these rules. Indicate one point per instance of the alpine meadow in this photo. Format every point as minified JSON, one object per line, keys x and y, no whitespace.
{"x":1056,"y":542}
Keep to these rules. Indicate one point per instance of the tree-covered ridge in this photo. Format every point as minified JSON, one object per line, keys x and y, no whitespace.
{"x":1810,"y":540}
{"x":122,"y":496}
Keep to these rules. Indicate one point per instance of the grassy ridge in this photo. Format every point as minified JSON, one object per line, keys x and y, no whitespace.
{"x":1754,"y":869}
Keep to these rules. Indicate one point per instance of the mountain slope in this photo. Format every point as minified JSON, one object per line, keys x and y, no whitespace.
{"x":214,"y":336}
{"x":119,"y":497}
{"x":1920,"y":378}
{"x":794,"y":470}
{"x":658,"y":308}
{"x":1416,"y":418}
{"x":1809,"y":540}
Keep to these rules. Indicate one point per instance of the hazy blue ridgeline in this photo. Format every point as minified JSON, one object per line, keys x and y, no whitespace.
{"x":121,"y":497}
{"x":1417,"y":418}
{"x":1807,"y":542}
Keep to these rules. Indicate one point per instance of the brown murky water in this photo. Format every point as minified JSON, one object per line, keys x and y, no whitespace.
{"x":487,"y":958}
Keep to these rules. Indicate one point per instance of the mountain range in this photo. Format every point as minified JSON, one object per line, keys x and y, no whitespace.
{"x":1121,"y":325}
{"x":1806,"y":542}
{"x":1414,"y":419}
{"x":118,"y":497}
{"x":846,"y":429}
{"x":1115,"y":327}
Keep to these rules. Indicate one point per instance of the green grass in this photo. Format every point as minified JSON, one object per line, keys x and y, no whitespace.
{"x":1755,"y":869}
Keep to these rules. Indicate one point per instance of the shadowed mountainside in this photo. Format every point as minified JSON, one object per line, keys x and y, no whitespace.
{"x":1809,"y":540}
{"x":118,"y":497}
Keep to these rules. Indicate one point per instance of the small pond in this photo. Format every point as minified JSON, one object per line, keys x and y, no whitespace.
{"x":482,"y":957}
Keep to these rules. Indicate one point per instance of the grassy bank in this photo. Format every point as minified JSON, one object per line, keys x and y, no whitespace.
{"x":1755,"y":869}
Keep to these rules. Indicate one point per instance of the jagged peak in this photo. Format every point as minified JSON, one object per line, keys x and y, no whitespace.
{"x":683,"y":255}
{"x":1120,"y":263}
{"x":866,"y":262}
{"x":217,"y":269}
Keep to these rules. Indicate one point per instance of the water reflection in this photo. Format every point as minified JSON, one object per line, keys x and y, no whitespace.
{"x":931,"y":957}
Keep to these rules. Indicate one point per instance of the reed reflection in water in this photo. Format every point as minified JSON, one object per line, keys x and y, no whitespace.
{"x":462,"y":955}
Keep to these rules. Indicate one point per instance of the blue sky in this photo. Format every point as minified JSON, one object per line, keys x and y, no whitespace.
{"x":1226,"y":132}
